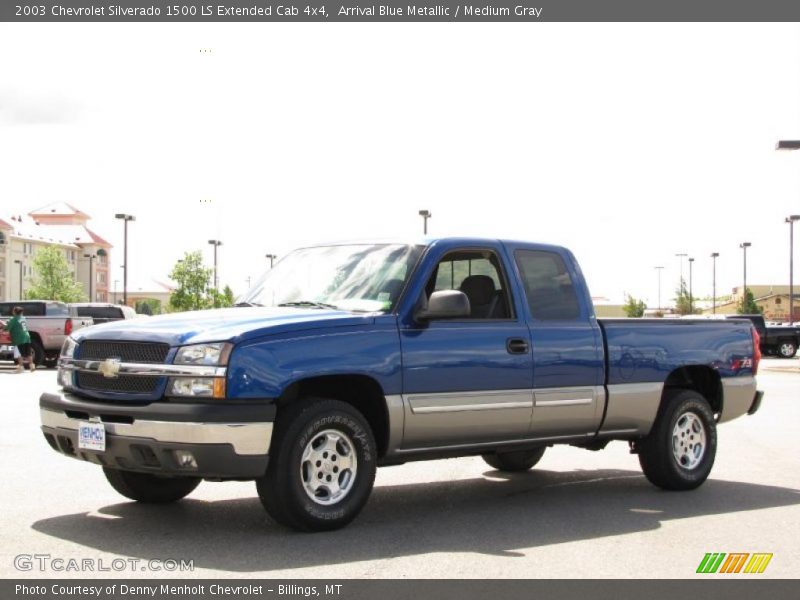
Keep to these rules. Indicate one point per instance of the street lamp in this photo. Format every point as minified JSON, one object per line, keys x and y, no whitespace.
{"x":125,"y":218}
{"x":425,"y":214}
{"x":790,"y":145}
{"x":680,"y":257}
{"x":19,"y":262}
{"x":91,"y":258}
{"x":271,"y":258}
{"x":714,"y":256}
{"x":691,"y":298}
{"x":659,"y":269}
{"x":790,"y":220}
{"x":744,"y":246}
{"x":216,"y":244}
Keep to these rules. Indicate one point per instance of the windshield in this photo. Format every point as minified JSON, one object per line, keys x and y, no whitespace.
{"x":363,"y":277}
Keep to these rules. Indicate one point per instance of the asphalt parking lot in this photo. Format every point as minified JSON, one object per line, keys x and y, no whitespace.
{"x":578,"y":514}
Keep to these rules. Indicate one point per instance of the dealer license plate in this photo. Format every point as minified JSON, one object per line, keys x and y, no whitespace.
{"x":92,"y":436}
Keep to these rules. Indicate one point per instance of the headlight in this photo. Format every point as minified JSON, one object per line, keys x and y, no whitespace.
{"x":197,"y":387}
{"x":68,"y":348}
{"x":204,"y":354}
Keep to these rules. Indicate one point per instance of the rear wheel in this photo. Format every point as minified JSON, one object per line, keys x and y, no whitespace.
{"x":787,"y":349}
{"x":38,"y":352}
{"x":144,"y":487}
{"x":679,"y":451}
{"x":514,"y":461}
{"x":321,"y":467}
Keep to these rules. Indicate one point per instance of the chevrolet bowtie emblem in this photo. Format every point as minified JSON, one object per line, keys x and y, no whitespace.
{"x":109,"y":367}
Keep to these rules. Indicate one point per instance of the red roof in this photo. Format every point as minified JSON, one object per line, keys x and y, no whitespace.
{"x":97,"y":239}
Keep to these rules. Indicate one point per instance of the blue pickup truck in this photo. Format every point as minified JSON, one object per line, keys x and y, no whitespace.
{"x":350,"y":356}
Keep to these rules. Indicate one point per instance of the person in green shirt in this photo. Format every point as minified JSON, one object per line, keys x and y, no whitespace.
{"x":17,"y":326}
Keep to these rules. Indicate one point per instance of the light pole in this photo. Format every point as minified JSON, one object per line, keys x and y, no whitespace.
{"x":116,"y":300}
{"x":425,"y":214}
{"x":125,"y":218}
{"x":19,"y":262}
{"x":216,"y":244}
{"x":659,"y":269}
{"x":691,"y":298}
{"x":91,"y":258}
{"x":744,"y":246}
{"x":790,"y":145}
{"x":680,"y":257}
{"x":714,"y":256}
{"x":271,"y":258}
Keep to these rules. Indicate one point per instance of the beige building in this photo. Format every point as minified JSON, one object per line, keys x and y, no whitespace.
{"x":772,"y":299}
{"x":61,"y":225}
{"x":139,"y":291}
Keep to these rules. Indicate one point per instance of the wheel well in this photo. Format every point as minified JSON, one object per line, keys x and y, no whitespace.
{"x":703,"y":380}
{"x":362,"y":392}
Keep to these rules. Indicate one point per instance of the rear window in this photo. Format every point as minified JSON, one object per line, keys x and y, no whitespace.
{"x":548,"y":286}
{"x":56,"y":309}
{"x":30,"y":309}
{"x":100,"y":312}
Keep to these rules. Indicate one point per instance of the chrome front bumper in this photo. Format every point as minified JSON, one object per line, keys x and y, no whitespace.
{"x":246,"y":438}
{"x":227,"y":440}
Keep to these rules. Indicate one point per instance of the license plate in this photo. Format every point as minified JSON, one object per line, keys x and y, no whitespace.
{"x":6,"y":349}
{"x":92,"y":436}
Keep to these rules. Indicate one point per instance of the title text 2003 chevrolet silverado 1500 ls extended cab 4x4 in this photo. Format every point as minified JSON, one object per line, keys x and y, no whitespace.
{"x":351,"y":356}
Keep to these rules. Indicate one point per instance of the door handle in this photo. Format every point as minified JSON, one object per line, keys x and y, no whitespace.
{"x":516,"y":346}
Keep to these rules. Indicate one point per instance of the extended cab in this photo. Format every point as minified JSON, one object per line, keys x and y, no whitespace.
{"x":351,"y":356}
{"x":49,"y":323}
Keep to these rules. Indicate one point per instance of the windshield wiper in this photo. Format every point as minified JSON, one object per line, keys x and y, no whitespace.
{"x":309,"y":303}
{"x":248,"y":304}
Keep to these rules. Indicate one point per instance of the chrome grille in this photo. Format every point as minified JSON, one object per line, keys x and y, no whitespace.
{"x":139,"y":352}
{"x":123,"y":384}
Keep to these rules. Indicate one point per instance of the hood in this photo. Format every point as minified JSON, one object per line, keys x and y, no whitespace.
{"x":222,"y":325}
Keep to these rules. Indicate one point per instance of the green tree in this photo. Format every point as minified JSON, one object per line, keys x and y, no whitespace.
{"x":52,"y":279}
{"x":747,"y":305}
{"x":684,"y":304}
{"x":193,"y":291}
{"x":149,"y":306}
{"x":222,"y":299}
{"x":634,"y":308}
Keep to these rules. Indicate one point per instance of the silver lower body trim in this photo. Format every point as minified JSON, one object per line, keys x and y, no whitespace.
{"x":246,"y":438}
{"x":737,"y":396}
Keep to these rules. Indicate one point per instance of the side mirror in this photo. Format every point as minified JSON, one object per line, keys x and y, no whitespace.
{"x":445,"y":304}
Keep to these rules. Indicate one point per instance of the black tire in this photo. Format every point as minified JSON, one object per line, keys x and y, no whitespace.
{"x":38,"y":352}
{"x":660,"y":462}
{"x":283,"y":489}
{"x":521,"y":460}
{"x":151,"y":489}
{"x":787,"y":349}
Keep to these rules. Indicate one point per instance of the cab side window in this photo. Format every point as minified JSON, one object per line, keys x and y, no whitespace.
{"x":548,"y":286}
{"x":479,"y":275}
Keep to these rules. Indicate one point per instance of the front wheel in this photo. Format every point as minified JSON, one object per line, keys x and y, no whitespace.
{"x":321,"y":468}
{"x":679,"y":451}
{"x":787,"y":349}
{"x":144,"y":487}
{"x":514,"y":461}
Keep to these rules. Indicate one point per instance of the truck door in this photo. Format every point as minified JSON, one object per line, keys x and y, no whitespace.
{"x":467,"y":380}
{"x":568,"y":366}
